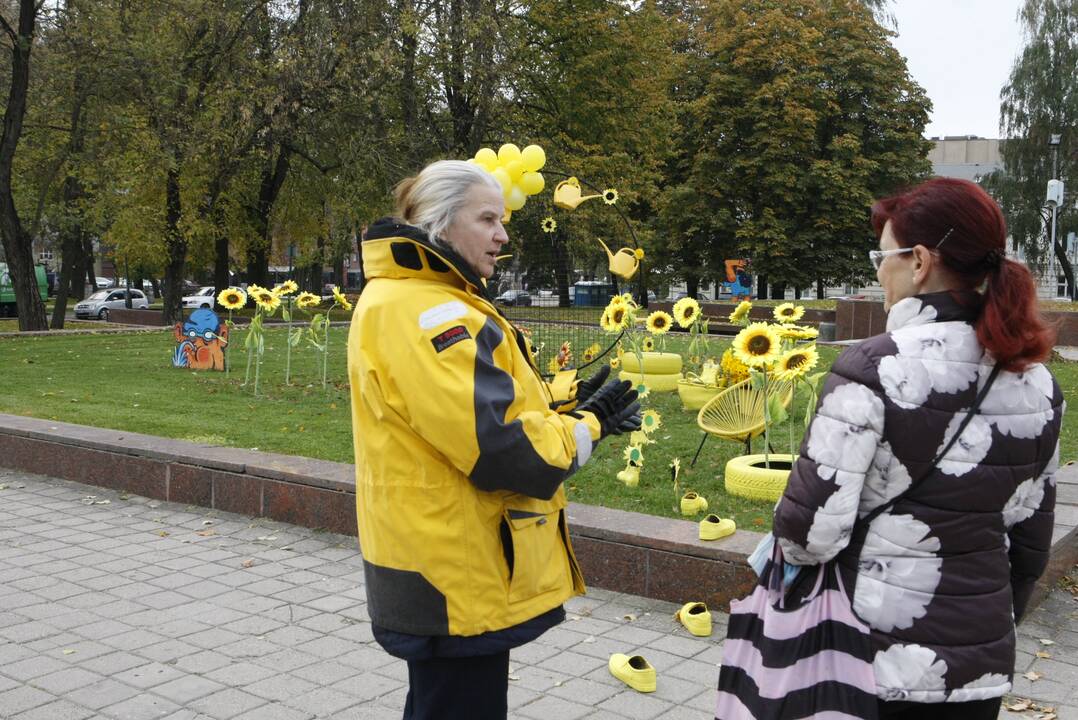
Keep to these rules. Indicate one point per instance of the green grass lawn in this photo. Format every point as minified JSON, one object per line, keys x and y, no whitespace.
{"x":126,"y":382}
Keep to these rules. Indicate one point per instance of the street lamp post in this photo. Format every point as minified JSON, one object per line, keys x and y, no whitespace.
{"x":1055,"y":196}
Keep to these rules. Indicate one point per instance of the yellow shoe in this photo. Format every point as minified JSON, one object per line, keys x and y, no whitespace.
{"x":692,"y":503}
{"x":633,"y":671}
{"x":713,"y":527}
{"x":695,"y":617}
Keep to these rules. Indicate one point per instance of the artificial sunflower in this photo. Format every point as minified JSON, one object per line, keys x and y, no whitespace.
{"x":650,"y":420}
{"x":686,"y":311}
{"x":564,"y":356}
{"x":648,"y":345}
{"x":642,"y":391}
{"x":638,"y":253}
{"x":266,"y":300}
{"x":615,"y":363}
{"x":618,"y":317}
{"x":286,"y":288}
{"x":675,"y":468}
{"x":757,"y":345}
{"x":610,"y":196}
{"x":308,"y":300}
{"x":633,"y":454}
{"x":604,"y":322}
{"x":549,"y":225}
{"x":341,"y":299}
{"x":798,"y":332}
{"x":617,"y":301}
{"x":733,"y":369}
{"x":640,"y":438}
{"x":232,"y":298}
{"x":796,"y":363}
{"x":741,"y":312}
{"x":788,"y":313}
{"x":659,"y":322}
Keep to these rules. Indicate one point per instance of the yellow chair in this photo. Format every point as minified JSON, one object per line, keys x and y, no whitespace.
{"x":737,"y":413}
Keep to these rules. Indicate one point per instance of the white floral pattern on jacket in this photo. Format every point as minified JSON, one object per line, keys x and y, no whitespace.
{"x":930,"y":571}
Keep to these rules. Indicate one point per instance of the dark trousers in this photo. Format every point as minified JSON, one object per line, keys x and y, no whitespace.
{"x":975,"y":710}
{"x":474,"y":688}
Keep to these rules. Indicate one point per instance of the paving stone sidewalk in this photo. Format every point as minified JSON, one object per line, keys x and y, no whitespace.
{"x":121,"y":607}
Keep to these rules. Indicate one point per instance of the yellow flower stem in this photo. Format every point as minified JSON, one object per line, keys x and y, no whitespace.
{"x":325,"y":345}
{"x":250,"y":350}
{"x":258,"y":354}
{"x":767,"y":425}
{"x":228,"y":345}
{"x":288,"y":347}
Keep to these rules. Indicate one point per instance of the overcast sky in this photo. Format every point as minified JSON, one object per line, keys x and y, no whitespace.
{"x":961,"y":53}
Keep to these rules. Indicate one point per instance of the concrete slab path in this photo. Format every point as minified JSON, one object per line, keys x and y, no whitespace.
{"x":121,"y":607}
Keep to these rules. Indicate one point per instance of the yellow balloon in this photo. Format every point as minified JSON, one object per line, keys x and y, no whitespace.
{"x":533,"y":158}
{"x":508,"y":153}
{"x":487,"y":158}
{"x":532,"y":183}
{"x":516,"y":199}
{"x":515,"y":168}
{"x":503,"y":179}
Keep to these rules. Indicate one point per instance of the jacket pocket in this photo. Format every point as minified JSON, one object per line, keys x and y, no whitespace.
{"x":534,"y":552}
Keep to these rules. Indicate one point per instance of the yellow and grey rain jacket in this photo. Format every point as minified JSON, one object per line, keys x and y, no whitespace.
{"x":459,"y":458}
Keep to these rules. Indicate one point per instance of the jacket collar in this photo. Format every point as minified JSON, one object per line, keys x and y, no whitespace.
{"x":946,"y":306}
{"x":393,"y":249}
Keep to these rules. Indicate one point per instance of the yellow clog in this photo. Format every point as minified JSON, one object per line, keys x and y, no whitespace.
{"x":692,"y":503}
{"x":633,"y":671}
{"x":713,"y":527}
{"x":695,"y":617}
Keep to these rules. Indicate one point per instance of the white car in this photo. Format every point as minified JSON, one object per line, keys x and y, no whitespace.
{"x":101,"y":302}
{"x":204,"y":298}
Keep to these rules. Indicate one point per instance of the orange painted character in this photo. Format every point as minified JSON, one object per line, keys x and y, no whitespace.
{"x":201,"y":339}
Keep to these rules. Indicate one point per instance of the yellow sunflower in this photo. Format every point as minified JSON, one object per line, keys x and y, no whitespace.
{"x":618,"y":317}
{"x":733,"y":369}
{"x":606,"y":323}
{"x":659,"y":322}
{"x":757,"y":345}
{"x":648,"y":345}
{"x":252,"y":289}
{"x":796,"y":363}
{"x":286,"y":288}
{"x":308,"y":300}
{"x":798,"y":332}
{"x":650,"y":420}
{"x":741,"y":312}
{"x":587,"y":356}
{"x":549,"y":225}
{"x":610,"y":196}
{"x":341,"y":300}
{"x":266,"y":300}
{"x":686,"y":311}
{"x":788,"y":313}
{"x":633,"y":454}
{"x":616,"y":301}
{"x":615,"y":363}
{"x":232,"y":298}
{"x":639,"y":253}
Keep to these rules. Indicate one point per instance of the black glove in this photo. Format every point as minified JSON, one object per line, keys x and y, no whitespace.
{"x":586,"y":388}
{"x":615,"y":407}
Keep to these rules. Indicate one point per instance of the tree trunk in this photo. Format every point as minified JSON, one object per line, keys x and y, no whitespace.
{"x":761,"y":287}
{"x":692,"y":286}
{"x":18,"y":246}
{"x":1065,"y":266}
{"x":819,"y":289}
{"x":221,"y":279}
{"x":176,"y":248}
{"x":70,"y":256}
{"x":778,"y":291}
{"x":88,"y":273}
{"x":269,"y":188}
{"x":71,"y":252}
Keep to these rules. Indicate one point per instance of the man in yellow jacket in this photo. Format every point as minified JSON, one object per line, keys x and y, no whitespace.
{"x":460,"y":459}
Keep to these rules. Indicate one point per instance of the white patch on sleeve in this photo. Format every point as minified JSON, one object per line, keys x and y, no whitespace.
{"x":583,"y":443}
{"x":441,"y":314}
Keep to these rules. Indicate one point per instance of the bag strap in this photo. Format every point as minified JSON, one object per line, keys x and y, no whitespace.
{"x":867,"y":520}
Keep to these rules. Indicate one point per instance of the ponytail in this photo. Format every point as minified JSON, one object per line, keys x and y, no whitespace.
{"x":1011,"y":327}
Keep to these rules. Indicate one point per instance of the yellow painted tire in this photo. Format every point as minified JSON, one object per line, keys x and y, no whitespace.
{"x":694,"y":395}
{"x":655,"y":363}
{"x":655,"y":383}
{"x":745,"y":479}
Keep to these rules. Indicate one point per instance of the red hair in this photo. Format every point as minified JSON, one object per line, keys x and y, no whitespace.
{"x":1010,"y":325}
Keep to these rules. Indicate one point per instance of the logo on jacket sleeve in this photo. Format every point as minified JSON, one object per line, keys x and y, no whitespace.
{"x":450,"y":337}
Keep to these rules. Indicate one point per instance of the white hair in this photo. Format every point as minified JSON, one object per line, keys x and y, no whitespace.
{"x":431,"y":199}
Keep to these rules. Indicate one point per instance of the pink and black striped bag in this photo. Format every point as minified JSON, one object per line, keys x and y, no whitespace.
{"x":813,"y":660}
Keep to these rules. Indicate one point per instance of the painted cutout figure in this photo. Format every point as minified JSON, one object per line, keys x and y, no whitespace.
{"x":202,"y":339}
{"x":738,"y":281}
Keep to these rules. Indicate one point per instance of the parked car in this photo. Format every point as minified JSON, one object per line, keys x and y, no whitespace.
{"x":514,"y":297}
{"x":103,"y":282}
{"x":204,"y":298}
{"x":102,"y":302}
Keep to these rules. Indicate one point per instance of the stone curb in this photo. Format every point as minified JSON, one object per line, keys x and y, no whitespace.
{"x":617,"y":550}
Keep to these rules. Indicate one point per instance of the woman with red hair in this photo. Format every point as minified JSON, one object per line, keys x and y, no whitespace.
{"x":941,"y":574}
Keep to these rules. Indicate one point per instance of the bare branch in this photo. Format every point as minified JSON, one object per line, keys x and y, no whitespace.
{"x":9,"y":30}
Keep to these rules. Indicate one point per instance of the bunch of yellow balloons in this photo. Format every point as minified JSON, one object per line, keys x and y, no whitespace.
{"x":516,"y":170}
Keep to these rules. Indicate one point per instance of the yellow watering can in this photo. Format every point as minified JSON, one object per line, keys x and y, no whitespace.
{"x":623,"y":263}
{"x":567,"y":194}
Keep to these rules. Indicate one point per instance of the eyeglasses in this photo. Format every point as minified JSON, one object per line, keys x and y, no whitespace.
{"x":878,"y":256}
